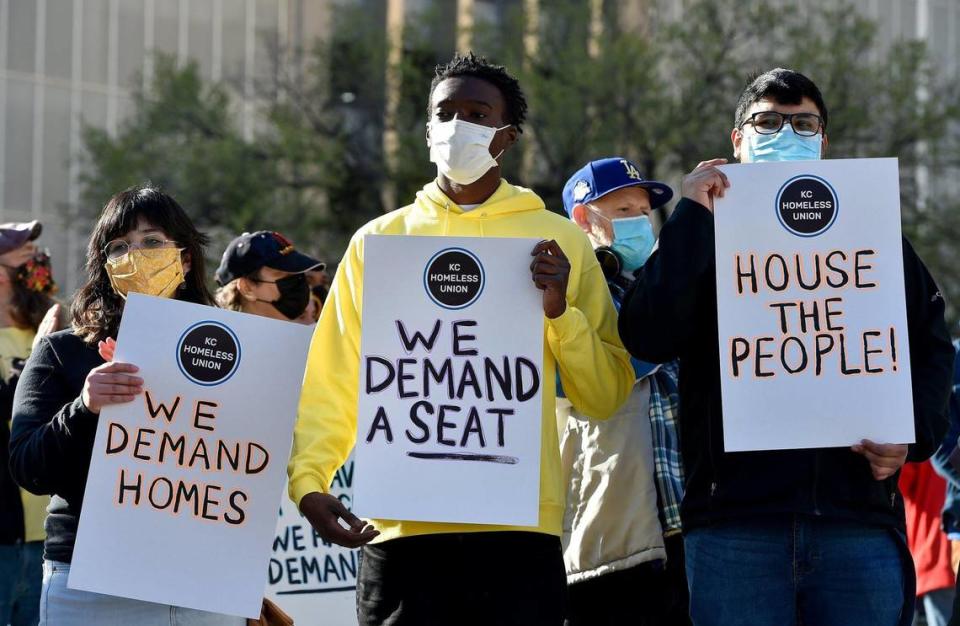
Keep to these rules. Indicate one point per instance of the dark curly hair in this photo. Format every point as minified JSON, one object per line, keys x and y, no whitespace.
{"x":97,"y":308}
{"x":477,"y":67}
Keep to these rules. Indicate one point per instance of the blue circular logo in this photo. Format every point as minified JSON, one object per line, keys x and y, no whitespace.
{"x":454,"y":278}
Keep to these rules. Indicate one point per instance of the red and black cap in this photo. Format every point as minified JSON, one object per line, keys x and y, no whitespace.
{"x":250,"y":251}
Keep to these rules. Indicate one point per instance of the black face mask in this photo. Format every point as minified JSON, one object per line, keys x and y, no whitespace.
{"x":294,"y":296}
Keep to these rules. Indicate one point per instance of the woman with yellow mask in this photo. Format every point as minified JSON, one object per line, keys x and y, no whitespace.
{"x":144,"y":243}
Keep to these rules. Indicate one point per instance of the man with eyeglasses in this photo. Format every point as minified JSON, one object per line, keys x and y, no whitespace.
{"x":792,"y":536}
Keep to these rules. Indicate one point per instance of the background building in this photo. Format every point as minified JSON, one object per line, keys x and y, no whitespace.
{"x":68,"y":62}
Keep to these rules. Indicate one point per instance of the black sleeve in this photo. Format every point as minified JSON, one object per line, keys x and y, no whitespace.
{"x":657,"y":312}
{"x":52,"y":431}
{"x":931,"y":356}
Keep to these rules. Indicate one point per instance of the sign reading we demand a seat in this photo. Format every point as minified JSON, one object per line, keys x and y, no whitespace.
{"x":811,"y":309}
{"x":451,"y":373}
{"x":185,"y":482}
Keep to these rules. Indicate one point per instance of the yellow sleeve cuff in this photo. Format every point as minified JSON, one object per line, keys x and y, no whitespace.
{"x":304,"y":485}
{"x":566,"y":326}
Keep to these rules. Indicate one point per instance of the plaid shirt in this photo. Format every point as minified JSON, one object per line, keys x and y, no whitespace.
{"x":668,"y":466}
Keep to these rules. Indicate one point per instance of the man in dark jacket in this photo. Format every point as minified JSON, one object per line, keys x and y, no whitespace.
{"x":792,"y":536}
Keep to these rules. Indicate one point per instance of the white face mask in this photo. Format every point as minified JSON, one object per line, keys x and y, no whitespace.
{"x":461,"y":149}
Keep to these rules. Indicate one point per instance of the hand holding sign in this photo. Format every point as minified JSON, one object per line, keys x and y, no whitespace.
{"x":885,"y":458}
{"x":551,"y":270}
{"x":111,"y":383}
{"x":107,"y":348}
{"x":325,"y":511}
{"x":705,"y":182}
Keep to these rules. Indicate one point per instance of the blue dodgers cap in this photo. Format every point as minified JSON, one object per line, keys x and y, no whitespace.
{"x":598,"y":178}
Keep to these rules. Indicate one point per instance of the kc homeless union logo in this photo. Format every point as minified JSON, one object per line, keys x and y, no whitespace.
{"x":807,"y":205}
{"x":454,"y":278}
{"x":208,"y":353}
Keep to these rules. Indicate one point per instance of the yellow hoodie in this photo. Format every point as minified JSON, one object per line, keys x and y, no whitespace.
{"x":583,"y":342}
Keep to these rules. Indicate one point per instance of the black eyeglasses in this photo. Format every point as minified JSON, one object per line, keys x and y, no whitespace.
{"x":770,"y":122}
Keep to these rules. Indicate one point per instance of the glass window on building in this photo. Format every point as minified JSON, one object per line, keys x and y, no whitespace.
{"x":200,"y":36}
{"x":56,"y":149}
{"x":130,"y":42}
{"x":234,"y":39}
{"x":58,"y":55}
{"x":18,"y":144}
{"x":96,"y":21}
{"x":166,"y":26}
{"x":21,"y":37}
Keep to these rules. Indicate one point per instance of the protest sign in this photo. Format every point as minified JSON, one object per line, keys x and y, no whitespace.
{"x":810,"y":298}
{"x":450,"y":413}
{"x":184,"y":483}
{"x":310,"y":578}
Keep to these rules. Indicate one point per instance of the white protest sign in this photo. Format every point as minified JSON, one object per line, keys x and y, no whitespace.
{"x":181,"y":500}
{"x":309,"y":578}
{"x":451,"y":367}
{"x":810,"y":298}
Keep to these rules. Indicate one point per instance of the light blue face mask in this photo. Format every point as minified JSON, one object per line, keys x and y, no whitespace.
{"x":633,"y":239}
{"x":786,"y":145}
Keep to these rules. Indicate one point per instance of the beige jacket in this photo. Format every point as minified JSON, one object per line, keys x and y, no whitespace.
{"x":610,"y":522}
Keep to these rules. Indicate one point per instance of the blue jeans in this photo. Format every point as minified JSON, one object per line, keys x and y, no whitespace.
{"x":796,"y":570}
{"x":62,"y":606}
{"x":21,"y":576}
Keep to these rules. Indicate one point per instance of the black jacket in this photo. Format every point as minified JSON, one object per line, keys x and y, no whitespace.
{"x":11,"y":505}
{"x":51,"y":440}
{"x":671,"y":312}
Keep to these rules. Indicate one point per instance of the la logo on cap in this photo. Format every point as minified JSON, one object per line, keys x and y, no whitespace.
{"x":632,"y":172}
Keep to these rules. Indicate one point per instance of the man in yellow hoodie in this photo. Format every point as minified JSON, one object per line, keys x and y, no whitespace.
{"x":453,"y":574}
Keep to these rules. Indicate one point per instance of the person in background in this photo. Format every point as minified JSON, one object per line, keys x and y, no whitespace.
{"x":946,"y":462}
{"x":425,"y":573}
{"x":782,"y":537}
{"x":623,"y":547}
{"x":143,"y":242}
{"x":923,"y":496}
{"x":263,"y":274}
{"x":26,"y":290}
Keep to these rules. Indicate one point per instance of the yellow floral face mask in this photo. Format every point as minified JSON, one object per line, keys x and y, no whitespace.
{"x":153,"y":272}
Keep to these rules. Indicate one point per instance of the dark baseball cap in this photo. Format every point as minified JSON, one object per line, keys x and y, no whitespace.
{"x":250,"y":251}
{"x":15,"y":234}
{"x":598,"y":178}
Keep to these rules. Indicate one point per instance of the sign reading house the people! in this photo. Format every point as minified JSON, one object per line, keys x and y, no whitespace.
{"x":181,"y":500}
{"x":810,"y":294}
{"x":449,"y":419}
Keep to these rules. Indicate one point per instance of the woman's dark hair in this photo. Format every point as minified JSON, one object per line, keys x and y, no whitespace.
{"x":97,"y":308}
{"x":783,"y":87}
{"x":27,"y":306}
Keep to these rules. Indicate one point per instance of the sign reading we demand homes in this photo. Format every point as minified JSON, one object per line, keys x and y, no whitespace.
{"x":449,"y":416}
{"x":810,"y":297}
{"x":181,"y":500}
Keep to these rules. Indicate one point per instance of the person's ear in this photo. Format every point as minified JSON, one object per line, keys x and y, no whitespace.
{"x":511,"y":136}
{"x":579,"y":215}
{"x":736,"y":138}
{"x":245,"y":287}
{"x":187,"y":262}
{"x":428,"y":134}
{"x":823,"y":146}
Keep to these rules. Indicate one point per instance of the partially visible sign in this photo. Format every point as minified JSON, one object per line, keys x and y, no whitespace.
{"x":308,"y":576}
